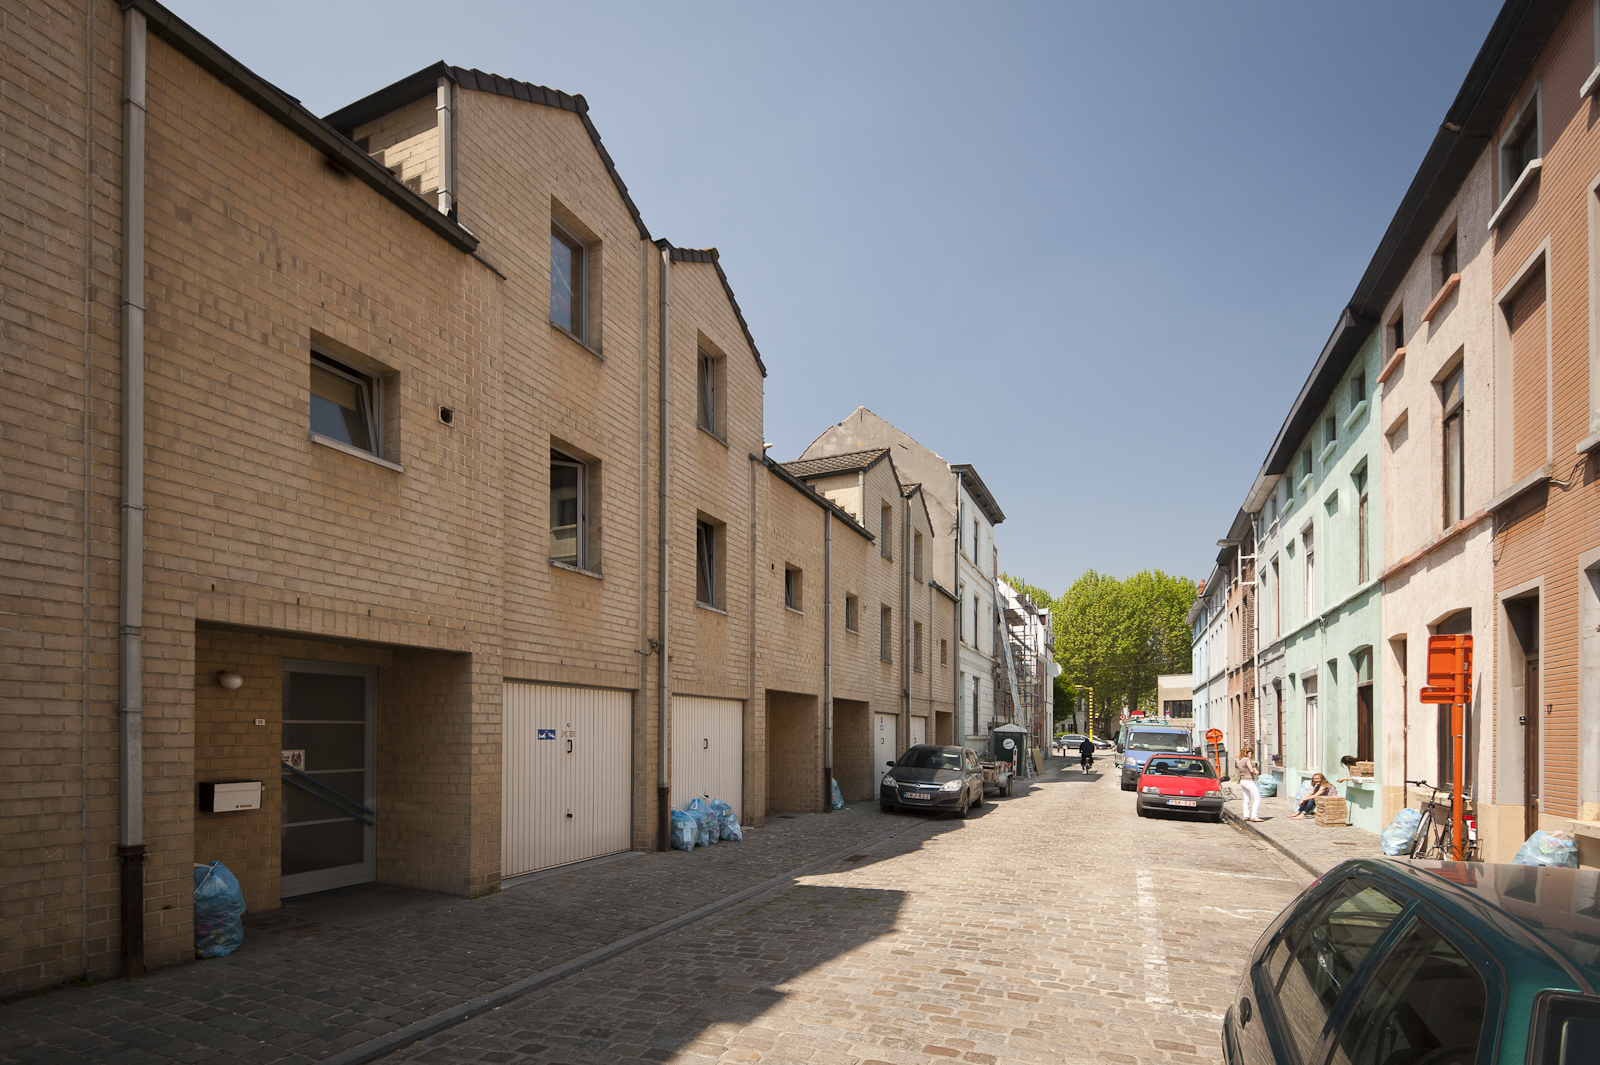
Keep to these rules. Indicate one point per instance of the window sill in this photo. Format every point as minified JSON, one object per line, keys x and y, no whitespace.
{"x":1392,"y":365}
{"x":1588,"y":444}
{"x":578,"y":340}
{"x":340,"y":445}
{"x":708,"y":607}
{"x":794,"y":610}
{"x":1327,"y":452}
{"x":853,"y":632}
{"x":1355,"y":414}
{"x":1524,"y":179}
{"x":1591,"y":83}
{"x":712,"y":435}
{"x":1303,"y":489}
{"x":1451,"y":283}
{"x":1512,"y":494}
{"x":570,"y":568}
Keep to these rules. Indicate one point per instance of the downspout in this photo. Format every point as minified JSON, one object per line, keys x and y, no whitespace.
{"x":130,"y":844}
{"x":663,"y":555}
{"x":957,"y":696}
{"x":447,"y":154}
{"x":827,"y":660}
{"x":906,"y":645}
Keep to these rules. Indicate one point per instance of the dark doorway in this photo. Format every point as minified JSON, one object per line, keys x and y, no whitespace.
{"x":1364,"y":705}
{"x":1522,"y":617}
{"x":328,"y":787}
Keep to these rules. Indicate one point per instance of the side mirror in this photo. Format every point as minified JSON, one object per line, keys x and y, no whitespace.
{"x":889,"y":763}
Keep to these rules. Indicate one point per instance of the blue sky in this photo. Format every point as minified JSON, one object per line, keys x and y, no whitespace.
{"x":1093,"y":249}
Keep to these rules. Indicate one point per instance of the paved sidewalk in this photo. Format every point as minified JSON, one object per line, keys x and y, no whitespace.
{"x":1310,"y":845}
{"x":322,"y":976}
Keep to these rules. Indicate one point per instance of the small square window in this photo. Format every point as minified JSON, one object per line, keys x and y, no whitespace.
{"x":708,"y":564}
{"x":343,"y":402}
{"x":791,"y":588}
{"x":569,"y":505}
{"x":569,"y":269}
{"x":708,"y":389}
{"x":852,"y":613}
{"x":1520,"y":149}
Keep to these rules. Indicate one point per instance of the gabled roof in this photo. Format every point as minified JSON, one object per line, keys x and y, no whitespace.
{"x":815,"y":496}
{"x":295,"y":117}
{"x":909,"y":490}
{"x":416,"y":86}
{"x":850,"y":462}
{"x":710,"y":255}
{"x":979,"y":492}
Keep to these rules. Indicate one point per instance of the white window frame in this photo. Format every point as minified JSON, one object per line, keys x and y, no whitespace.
{"x":705,"y":562}
{"x":581,"y":561}
{"x":708,"y":393}
{"x":580,"y":281}
{"x":793,"y":589}
{"x":1512,"y":185}
{"x":370,"y":389}
{"x":852,"y":614}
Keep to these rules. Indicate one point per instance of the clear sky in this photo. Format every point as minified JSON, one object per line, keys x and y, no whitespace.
{"x":1091,"y":248}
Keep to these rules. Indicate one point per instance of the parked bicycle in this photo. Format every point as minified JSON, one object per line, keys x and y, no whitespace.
{"x":1435,"y":835}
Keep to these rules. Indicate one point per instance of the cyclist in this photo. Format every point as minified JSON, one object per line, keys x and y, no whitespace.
{"x":1086,"y":754}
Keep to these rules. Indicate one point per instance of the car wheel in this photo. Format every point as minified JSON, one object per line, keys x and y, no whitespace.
{"x":1126,"y":786}
{"x":1007,"y":792}
{"x":1138,"y":808}
{"x":886,"y":807}
{"x":962,"y":810}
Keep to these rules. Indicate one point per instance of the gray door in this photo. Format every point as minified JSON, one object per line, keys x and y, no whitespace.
{"x":328,"y":799}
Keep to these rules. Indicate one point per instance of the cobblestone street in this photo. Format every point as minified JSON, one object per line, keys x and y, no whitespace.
{"x":1054,"y":927}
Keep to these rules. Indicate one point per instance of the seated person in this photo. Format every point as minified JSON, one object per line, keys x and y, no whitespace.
{"x":1308,"y":805}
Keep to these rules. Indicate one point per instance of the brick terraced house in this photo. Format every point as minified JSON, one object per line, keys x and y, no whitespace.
{"x":385,"y":502}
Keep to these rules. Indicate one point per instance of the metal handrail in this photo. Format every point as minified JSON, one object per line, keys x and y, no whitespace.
{"x":324,"y":799}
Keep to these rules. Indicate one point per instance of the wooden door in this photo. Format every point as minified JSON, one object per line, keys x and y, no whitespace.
{"x":1530,"y":748}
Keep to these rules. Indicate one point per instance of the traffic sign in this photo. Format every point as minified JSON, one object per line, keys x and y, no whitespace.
{"x":1449,"y":669}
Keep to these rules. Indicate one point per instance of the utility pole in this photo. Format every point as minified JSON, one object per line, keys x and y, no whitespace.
{"x":1089,"y":728}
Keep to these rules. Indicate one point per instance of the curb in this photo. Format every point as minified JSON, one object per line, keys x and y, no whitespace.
{"x":1278,"y":845}
{"x":404,"y":1037}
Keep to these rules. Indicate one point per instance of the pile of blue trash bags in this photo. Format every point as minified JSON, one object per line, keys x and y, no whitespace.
{"x":1267,"y":785}
{"x":1549,"y":848}
{"x":704,"y":823}
{"x":218,"y":911}
{"x":1396,"y":839}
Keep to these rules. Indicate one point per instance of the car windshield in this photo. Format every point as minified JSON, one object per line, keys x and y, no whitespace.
{"x":1157,"y":741}
{"x":1180,"y":767}
{"x":930,"y":758}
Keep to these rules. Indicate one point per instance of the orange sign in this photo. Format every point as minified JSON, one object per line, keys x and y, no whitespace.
{"x":1449,"y":669}
{"x":1213,"y":735}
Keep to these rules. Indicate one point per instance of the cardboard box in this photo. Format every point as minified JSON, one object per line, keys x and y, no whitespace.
{"x":1362,"y":769}
{"x":1332,"y":812}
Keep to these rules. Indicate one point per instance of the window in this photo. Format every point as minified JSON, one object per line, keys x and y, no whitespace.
{"x":944,"y":652}
{"x":1277,"y":598}
{"x":1425,"y":1001}
{"x":976,"y":725}
{"x":1306,"y":455}
{"x":1397,"y":331}
{"x":1520,"y":146}
{"x":916,"y":647}
{"x":1455,"y":463}
{"x":852,"y":611}
{"x":1328,"y":949}
{"x":708,"y":390}
{"x":916,"y":556}
{"x":1448,"y":261}
{"x":885,"y":526}
{"x":568,"y":277}
{"x":569,"y":504}
{"x":885,"y":634}
{"x":1363,"y":555}
{"x":791,"y":588}
{"x":1309,"y":689}
{"x":707,"y":563}
{"x":1364,"y":705}
{"x":1330,"y":429}
{"x":974,"y":539}
{"x":1358,"y":388}
{"x":1309,"y":546}
{"x":975,"y":623}
{"x":342,"y":404}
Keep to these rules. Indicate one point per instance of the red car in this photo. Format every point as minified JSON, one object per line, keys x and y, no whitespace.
{"x":1181,"y":783}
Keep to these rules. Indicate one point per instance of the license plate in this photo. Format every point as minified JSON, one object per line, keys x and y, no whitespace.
{"x":1182,"y":802}
{"x":916,"y":796}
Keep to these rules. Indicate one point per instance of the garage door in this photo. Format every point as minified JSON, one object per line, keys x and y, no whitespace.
{"x":708,"y":751}
{"x":886,"y":747}
{"x":919,"y":731}
{"x":567,"y":767}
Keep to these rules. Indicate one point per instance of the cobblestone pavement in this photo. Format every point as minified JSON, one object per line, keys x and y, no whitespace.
{"x":1315,"y":847}
{"x":341,"y":971}
{"x":1055,"y":926}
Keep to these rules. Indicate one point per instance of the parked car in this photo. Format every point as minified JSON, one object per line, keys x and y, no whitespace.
{"x":1179,"y":783}
{"x":1104,"y":744}
{"x":1393,"y":962}
{"x":931,"y":777}
{"x":1142,"y":741}
{"x":1071,"y":741}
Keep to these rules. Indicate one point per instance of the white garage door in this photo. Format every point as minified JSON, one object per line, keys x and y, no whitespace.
{"x":707,"y":751}
{"x":886,"y":743}
{"x":567,"y":764}
{"x":919,"y":731}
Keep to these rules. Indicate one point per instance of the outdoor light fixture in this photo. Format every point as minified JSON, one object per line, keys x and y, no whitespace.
{"x":229,"y":679}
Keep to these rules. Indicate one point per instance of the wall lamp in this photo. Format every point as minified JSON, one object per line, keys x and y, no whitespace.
{"x":227,"y":678}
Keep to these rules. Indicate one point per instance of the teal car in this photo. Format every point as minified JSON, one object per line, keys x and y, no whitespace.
{"x":1385,"y":962}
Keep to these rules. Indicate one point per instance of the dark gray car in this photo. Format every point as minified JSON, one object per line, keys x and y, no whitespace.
{"x":931,"y":777}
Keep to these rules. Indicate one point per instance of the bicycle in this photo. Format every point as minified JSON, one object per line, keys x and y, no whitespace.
{"x":1441,"y":845}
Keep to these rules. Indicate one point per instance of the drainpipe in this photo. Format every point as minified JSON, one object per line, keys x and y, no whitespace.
{"x":906,"y":646}
{"x":663,"y":556}
{"x":130,"y":843}
{"x":827,"y":660}
{"x":447,"y":154}
{"x":957,"y":696}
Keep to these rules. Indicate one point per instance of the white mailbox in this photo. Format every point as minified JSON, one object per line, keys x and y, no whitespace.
{"x":230,"y":795}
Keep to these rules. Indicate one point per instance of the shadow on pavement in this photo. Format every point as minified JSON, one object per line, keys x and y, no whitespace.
{"x":690,"y":992}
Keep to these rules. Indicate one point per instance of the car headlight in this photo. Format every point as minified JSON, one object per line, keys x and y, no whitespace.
{"x":889,"y":780}
{"x":1213,"y":794}
{"x":951,"y":785}
{"x":1151,"y":790}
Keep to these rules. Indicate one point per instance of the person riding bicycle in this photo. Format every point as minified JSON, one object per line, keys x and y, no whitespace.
{"x":1086,"y":753}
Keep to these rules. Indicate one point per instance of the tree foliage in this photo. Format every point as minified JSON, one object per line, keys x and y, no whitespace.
{"x":1117,"y":636}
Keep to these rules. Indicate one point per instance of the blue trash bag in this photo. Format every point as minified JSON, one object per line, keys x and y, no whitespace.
{"x":727,"y":822}
{"x":1267,"y":784}
{"x":1396,"y":839}
{"x":838,"y":797}
{"x":1299,"y":796}
{"x":218,"y":905}
{"x":684,"y":831}
{"x":1549,"y":848}
{"x":706,"y":820}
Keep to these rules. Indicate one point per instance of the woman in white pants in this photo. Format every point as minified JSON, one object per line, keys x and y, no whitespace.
{"x":1246,"y":766}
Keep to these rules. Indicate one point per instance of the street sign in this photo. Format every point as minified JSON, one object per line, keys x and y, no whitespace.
{"x":1449,"y":669}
